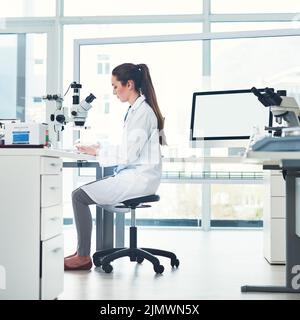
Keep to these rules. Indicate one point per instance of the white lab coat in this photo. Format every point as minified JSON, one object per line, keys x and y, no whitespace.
{"x":138,"y":158}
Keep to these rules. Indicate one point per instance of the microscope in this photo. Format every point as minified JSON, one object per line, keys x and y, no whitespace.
{"x":79,"y":110}
{"x":283,"y":108}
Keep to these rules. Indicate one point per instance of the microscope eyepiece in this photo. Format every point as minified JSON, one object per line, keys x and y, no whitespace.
{"x":256,"y":92}
{"x":273,"y":97}
{"x":90,"y":98}
{"x":268,"y":98}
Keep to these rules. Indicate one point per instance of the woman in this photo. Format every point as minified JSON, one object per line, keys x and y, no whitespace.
{"x":138,"y":158}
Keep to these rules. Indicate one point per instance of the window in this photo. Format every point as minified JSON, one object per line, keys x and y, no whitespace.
{"x":254,"y":6}
{"x":100,"y":68}
{"x":177,"y":201}
{"x":103,"y":68}
{"x":107,"y":68}
{"x":8,"y":75}
{"x":36,"y":65}
{"x":247,"y":26}
{"x":94,"y":31}
{"x":106,"y":117}
{"x":261,"y":66}
{"x":237,"y":202}
{"x":73,"y":32}
{"x":28,"y":8}
{"x":106,"y":107}
{"x":174,"y":92}
{"x":23,"y":76}
{"x":131,"y":7}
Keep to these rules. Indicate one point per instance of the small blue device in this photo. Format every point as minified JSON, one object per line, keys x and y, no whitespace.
{"x":20,"y":137}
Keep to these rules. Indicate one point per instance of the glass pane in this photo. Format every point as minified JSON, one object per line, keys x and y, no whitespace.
{"x":125,"y":30}
{"x":23,"y":76}
{"x":247,"y":26}
{"x":27,"y":8}
{"x":8,"y":76}
{"x":171,"y":73}
{"x":177,"y":201}
{"x":260,"y":62}
{"x":236,"y":167}
{"x":95,"y":31}
{"x":131,"y":7}
{"x":254,"y":6}
{"x":106,"y":121}
{"x":237,"y":202}
{"x":36,"y":77}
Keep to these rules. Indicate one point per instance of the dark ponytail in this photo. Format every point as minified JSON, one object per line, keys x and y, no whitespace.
{"x":140,"y":75}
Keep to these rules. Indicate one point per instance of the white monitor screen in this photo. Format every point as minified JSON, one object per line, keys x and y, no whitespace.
{"x":227,"y":115}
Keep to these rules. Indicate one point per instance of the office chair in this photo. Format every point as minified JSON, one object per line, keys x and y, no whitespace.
{"x":104,"y":257}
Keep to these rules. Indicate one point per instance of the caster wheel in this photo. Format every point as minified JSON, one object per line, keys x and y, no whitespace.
{"x":107,"y":268}
{"x":175,"y":263}
{"x":159,"y":268}
{"x":139,"y":259}
{"x":97,"y":261}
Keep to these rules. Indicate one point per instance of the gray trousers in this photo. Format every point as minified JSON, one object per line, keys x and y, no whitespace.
{"x":83,"y":221}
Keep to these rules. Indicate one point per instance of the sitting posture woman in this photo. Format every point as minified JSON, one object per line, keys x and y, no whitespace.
{"x":138,"y":158}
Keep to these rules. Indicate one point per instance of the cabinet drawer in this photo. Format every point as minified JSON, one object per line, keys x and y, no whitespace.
{"x":51,"y":193}
{"x":51,"y":222}
{"x":278,"y":207}
{"x":278,"y":241}
{"x":277,"y":186}
{"x":52,"y":277}
{"x":51,"y":165}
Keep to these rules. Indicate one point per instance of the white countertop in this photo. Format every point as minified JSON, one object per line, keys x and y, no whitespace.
{"x":259,"y":157}
{"x":231,"y":159}
{"x":45,"y":152}
{"x":250,"y":157}
{"x":269,"y":157}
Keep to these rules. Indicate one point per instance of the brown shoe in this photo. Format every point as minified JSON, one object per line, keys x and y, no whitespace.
{"x":71,"y":255}
{"x":84,"y":266}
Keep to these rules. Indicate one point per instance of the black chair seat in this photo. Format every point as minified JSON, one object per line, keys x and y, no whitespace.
{"x":131,"y":203}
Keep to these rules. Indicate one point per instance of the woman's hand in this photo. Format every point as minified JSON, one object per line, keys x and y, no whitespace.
{"x":92,"y":150}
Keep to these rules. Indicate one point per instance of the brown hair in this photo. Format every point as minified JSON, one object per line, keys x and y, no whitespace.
{"x":140,"y":75}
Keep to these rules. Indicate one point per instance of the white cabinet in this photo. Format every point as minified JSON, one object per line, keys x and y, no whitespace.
{"x":51,"y":222}
{"x":31,"y":239}
{"x":274,"y":218}
{"x":52,"y":277}
{"x":51,"y":190}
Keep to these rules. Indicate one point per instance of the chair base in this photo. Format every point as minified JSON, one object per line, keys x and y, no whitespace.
{"x":104,"y":257}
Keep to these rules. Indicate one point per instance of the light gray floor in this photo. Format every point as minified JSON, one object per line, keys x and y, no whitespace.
{"x":213,"y":265}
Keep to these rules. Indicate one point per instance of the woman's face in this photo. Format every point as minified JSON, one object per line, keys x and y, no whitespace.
{"x":121,"y":91}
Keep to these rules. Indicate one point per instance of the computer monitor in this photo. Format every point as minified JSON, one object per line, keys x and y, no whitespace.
{"x":226,"y":118}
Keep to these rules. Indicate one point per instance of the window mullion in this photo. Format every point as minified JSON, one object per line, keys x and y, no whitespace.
{"x":253,"y":17}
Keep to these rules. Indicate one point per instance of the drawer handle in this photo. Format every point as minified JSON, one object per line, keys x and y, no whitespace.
{"x":54,"y":188}
{"x":56,"y":249}
{"x":53,"y":164}
{"x":54,"y":218}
